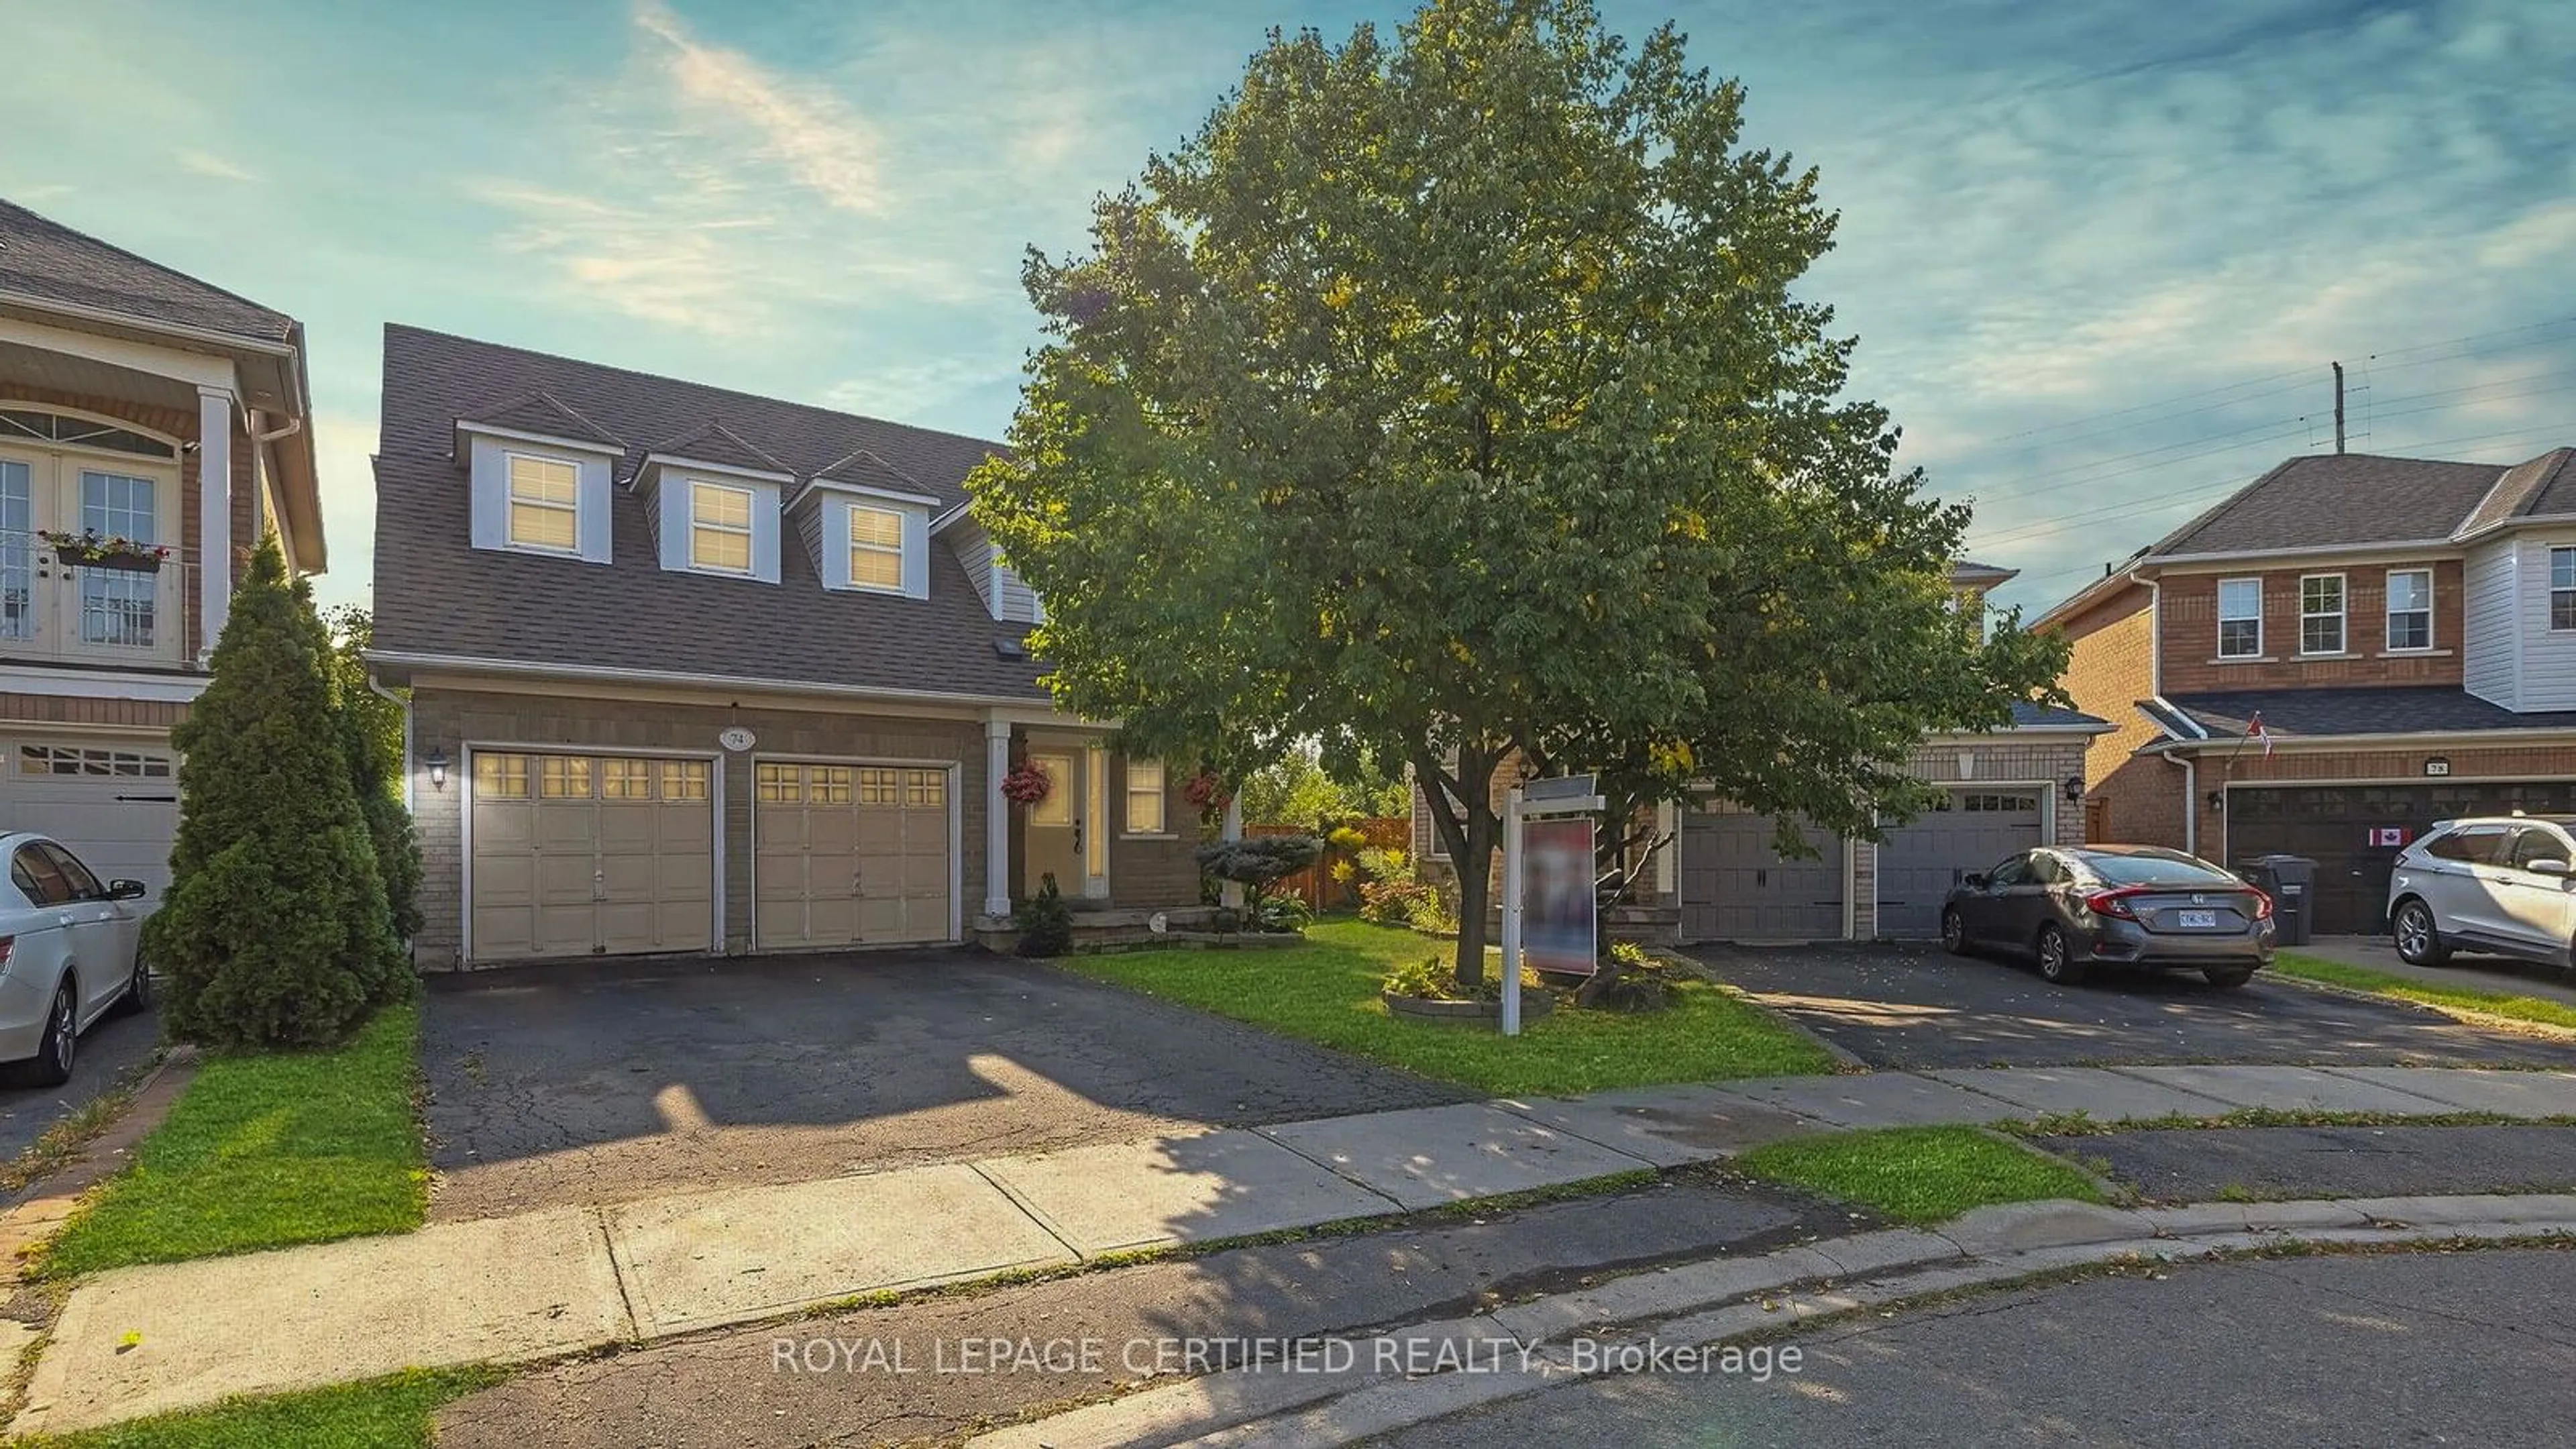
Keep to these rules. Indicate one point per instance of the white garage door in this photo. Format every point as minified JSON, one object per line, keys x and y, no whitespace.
{"x":114,"y":802}
{"x":1738,"y":886}
{"x":1920,"y":861}
{"x":590,"y":855}
{"x":847,"y":855}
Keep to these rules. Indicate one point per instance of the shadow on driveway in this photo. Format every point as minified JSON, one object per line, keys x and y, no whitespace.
{"x":600,"y":1082}
{"x":1913,"y":1006}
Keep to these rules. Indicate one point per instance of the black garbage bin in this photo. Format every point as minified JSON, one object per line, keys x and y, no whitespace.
{"x":2291,"y":882}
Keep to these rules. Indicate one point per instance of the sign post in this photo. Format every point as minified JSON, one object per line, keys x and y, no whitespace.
{"x":1557,"y":813}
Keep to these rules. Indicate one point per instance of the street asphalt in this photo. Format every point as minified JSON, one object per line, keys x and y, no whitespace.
{"x":2206,"y":1164}
{"x":1914,"y":1006}
{"x":577,"y":1084}
{"x":110,"y":1052}
{"x":727,"y":1389}
{"x":2337,"y":1351}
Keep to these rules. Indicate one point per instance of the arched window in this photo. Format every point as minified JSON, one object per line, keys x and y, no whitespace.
{"x":44,"y":425}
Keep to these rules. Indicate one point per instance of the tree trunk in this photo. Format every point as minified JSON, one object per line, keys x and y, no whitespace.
{"x":1475,"y":875}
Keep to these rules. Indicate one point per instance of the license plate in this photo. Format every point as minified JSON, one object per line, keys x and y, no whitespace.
{"x":2199,"y":920}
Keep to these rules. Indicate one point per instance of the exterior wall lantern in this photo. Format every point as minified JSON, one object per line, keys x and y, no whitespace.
{"x":437,"y":762}
{"x":2074,"y":788}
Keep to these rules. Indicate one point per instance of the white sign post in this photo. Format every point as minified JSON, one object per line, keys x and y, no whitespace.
{"x":1561,"y":795}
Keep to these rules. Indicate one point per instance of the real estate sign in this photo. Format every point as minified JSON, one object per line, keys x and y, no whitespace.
{"x":1559,"y":910}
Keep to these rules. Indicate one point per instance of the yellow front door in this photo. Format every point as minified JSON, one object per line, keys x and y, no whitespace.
{"x":1053,"y":842}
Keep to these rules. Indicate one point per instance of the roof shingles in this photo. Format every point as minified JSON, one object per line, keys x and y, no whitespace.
{"x":49,"y":262}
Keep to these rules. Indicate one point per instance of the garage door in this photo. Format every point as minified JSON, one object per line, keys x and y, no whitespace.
{"x":848,"y":855}
{"x":590,"y":855}
{"x":115,"y":803}
{"x":2332,"y":825}
{"x":1736,"y":886}
{"x":1919,"y":861}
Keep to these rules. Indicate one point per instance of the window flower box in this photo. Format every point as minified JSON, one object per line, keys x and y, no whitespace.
{"x":109,"y":551}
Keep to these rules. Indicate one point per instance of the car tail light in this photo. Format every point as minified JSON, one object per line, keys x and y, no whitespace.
{"x":2114,"y":903}
{"x":2262,"y":906}
{"x":7,"y":945}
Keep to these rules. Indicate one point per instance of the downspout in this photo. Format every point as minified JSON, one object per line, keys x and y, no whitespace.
{"x":2190,"y":801}
{"x":375,"y":688}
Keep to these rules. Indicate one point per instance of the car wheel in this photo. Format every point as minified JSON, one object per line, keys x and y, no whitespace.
{"x":61,"y":1043}
{"x":2228,"y":978}
{"x":137,"y":996}
{"x":2419,"y":940}
{"x":2057,"y":963}
{"x":1954,"y":933}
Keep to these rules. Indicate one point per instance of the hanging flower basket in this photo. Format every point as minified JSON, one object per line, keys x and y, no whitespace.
{"x":1026,"y":784}
{"x":97,"y":551}
{"x":1205,"y":792}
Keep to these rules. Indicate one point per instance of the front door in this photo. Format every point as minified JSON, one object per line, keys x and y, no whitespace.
{"x":1054,"y":839}
{"x":118,"y":610}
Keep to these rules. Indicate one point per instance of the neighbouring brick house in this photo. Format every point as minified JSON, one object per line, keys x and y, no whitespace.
{"x":135,"y":403}
{"x":696,"y":671}
{"x":1726,"y":880}
{"x":2404,"y":629}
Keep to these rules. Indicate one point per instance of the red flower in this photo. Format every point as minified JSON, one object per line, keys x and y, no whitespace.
{"x":1026,"y":784}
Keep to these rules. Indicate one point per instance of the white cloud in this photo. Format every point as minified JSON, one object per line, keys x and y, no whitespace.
{"x":824,"y":143}
{"x":207,"y":163}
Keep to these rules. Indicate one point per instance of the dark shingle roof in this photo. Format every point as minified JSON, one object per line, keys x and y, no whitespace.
{"x":2330,"y":499}
{"x":546,"y":416}
{"x":2368,"y":710}
{"x":867,"y":470}
{"x":437,"y":594}
{"x":53,"y":263}
{"x":2049,"y":716}
{"x":715,"y":443}
{"x":2544,"y":485}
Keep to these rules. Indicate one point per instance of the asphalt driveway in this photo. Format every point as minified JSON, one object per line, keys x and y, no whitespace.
{"x":609,"y":1082}
{"x":113,"y":1051}
{"x":1914,"y":1006}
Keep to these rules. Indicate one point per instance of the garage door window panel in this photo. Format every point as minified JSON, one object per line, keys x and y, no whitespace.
{"x":2321,"y":614}
{"x":2240,"y":618}
{"x":2410,"y":610}
{"x":501,"y":777}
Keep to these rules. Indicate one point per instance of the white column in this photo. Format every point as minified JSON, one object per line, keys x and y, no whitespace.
{"x":997,"y":819}
{"x":1231,"y":894}
{"x":214,"y":511}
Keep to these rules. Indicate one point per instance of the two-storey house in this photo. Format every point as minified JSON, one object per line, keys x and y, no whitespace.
{"x":2342,"y":652}
{"x":693,"y":670}
{"x":151,"y":428}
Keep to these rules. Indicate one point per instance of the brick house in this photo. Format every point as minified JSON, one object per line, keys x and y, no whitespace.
{"x":697,"y":671}
{"x":1726,"y":880}
{"x":2403,"y":628}
{"x":136,"y":403}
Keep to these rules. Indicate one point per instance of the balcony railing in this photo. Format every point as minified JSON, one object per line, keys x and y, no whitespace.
{"x":95,"y":613}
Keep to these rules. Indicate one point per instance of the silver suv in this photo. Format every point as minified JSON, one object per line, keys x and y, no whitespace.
{"x":2498,"y":883}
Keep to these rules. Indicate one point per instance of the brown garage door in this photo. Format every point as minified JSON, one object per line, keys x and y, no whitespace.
{"x":1737,"y":886}
{"x":2332,"y":825}
{"x":849,"y":855}
{"x":590,"y":855}
{"x":1921,"y":859}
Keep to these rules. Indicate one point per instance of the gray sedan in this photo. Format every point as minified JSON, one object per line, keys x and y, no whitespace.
{"x":2130,"y":905}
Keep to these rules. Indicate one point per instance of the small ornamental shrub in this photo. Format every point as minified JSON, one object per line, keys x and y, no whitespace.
{"x":1423,"y":980}
{"x":1346,"y":840}
{"x":1284,"y":913}
{"x":276,"y":931}
{"x":1044,"y":920}
{"x":1392,"y":902}
{"x":1257,"y":865}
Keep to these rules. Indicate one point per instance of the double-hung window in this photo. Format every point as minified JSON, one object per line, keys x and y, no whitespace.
{"x":1144,"y":797}
{"x":2321,"y":614}
{"x":545,"y":504}
{"x":720,"y":528}
{"x":2240,"y":618}
{"x":2410,"y":609}
{"x":876,"y":548}
{"x":2562,"y":588}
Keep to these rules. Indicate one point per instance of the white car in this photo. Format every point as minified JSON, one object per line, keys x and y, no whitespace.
{"x":2501,"y":883}
{"x":70,"y":952}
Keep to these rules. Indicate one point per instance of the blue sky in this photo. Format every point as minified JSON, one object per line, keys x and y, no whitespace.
{"x":2098,"y":254}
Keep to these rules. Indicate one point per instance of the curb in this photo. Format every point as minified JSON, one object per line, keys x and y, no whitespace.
{"x":1425,"y":1371}
{"x":2466,"y":1015}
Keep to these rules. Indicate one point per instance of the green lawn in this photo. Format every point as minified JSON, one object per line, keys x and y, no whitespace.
{"x":2466,"y":998}
{"x":377,"y":1414}
{"x":1326,"y":991}
{"x":1917,"y":1174}
{"x":265,"y":1150}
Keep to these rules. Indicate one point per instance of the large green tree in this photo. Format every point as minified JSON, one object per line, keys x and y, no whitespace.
{"x":1447,"y":399}
{"x":276,"y":930}
{"x":371,"y":727}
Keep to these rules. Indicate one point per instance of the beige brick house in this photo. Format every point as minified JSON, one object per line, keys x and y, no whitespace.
{"x":136,"y":403}
{"x":2405,"y":631}
{"x":695,"y":671}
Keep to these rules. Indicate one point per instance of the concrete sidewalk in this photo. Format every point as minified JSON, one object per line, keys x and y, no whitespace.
{"x":144,"y":1340}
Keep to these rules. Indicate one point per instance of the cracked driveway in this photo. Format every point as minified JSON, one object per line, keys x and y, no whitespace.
{"x":1913,"y":1006}
{"x":604,"y":1082}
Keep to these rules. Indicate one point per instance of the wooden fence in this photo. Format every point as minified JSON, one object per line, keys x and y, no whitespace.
{"x":1315,"y":884}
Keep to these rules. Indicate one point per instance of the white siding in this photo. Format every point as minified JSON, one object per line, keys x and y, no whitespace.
{"x":830,"y":538}
{"x":2490,"y":646}
{"x":490,"y":472}
{"x":667,"y":496}
{"x":1014,"y":599}
{"x":2548,"y":660}
{"x":975,"y":551}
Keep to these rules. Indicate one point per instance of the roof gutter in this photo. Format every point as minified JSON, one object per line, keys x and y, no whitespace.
{"x":204,"y":336}
{"x":2331,"y":550}
{"x":514,"y":668}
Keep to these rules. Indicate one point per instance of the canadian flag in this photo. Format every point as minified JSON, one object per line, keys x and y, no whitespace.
{"x":2254,"y":730}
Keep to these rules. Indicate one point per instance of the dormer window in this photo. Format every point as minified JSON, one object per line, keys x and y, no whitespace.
{"x":720,"y":527}
{"x":876,"y":548}
{"x":545,"y":504}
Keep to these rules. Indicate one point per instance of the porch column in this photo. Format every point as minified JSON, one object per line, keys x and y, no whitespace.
{"x":997,"y":819}
{"x":1232,"y":893}
{"x":214,"y":513}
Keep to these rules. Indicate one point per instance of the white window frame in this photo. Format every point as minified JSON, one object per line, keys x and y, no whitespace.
{"x":2557,"y":589}
{"x":1160,"y":824}
{"x":2225,"y":619}
{"x":2389,"y":604}
{"x":895,"y":550}
{"x":750,"y":546}
{"x":2341,"y":614}
{"x":511,"y":503}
